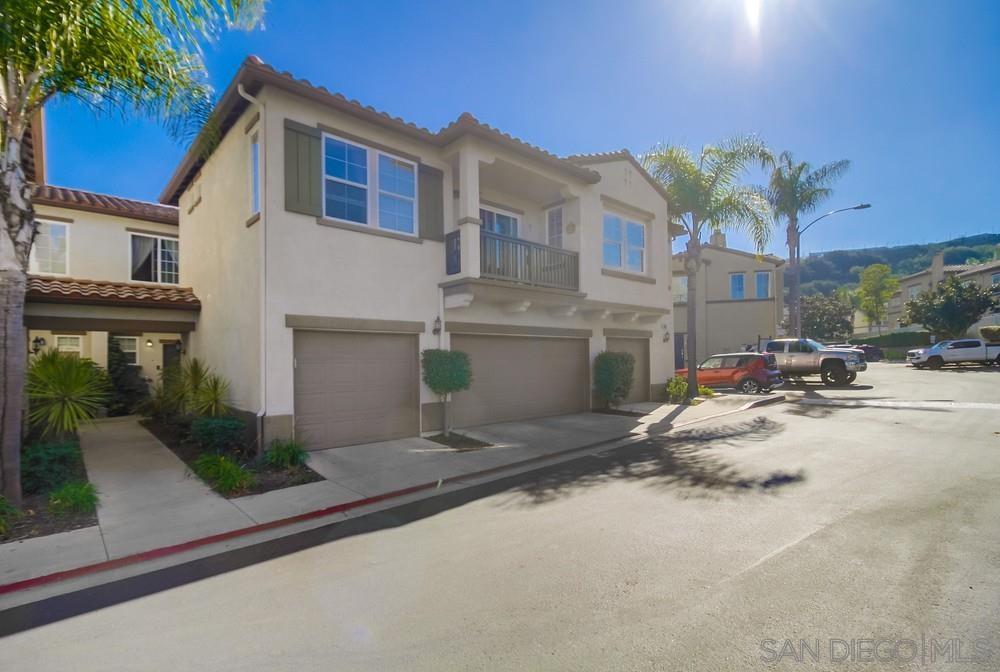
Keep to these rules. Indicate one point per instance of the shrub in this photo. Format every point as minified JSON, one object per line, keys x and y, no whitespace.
{"x":446,"y":372}
{"x":7,"y":515}
{"x":991,"y":333}
{"x":285,"y":454}
{"x":128,"y":389}
{"x":46,"y":466}
{"x":63,"y":392}
{"x":905,"y":339}
{"x":706,"y":392}
{"x":210,"y":398}
{"x":218,"y":435}
{"x":76,"y":497}
{"x":613,"y":376}
{"x":677,"y":389}
{"x":226,"y":476}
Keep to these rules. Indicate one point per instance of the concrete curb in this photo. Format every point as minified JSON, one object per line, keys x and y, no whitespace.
{"x":515,"y":468}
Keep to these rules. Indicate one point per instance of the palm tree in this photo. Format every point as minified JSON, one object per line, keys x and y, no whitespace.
{"x":796,"y":189}
{"x":704,"y":193}
{"x":114,"y":56}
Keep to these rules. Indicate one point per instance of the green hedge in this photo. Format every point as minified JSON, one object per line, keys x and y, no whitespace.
{"x":614,"y":374}
{"x":47,"y":466}
{"x":903,"y":339}
{"x":219,"y":435}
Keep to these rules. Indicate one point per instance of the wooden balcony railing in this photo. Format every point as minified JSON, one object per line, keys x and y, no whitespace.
{"x":521,"y":261}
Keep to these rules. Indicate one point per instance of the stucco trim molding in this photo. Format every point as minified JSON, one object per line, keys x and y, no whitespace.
{"x":622,"y":275}
{"x":470,"y":220}
{"x":320,"y":322}
{"x":514,"y":330}
{"x":323,"y":221}
{"x":615,"y":204}
{"x":627,"y":333}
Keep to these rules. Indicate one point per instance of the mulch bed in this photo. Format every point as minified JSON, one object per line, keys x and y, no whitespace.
{"x":618,"y":411}
{"x":37,"y":521}
{"x":266,"y":477}
{"x":458,"y":442}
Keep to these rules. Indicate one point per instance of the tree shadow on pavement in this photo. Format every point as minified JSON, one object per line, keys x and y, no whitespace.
{"x":686,"y":461}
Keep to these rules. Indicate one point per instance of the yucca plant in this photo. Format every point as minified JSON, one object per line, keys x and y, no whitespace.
{"x":210,"y":397}
{"x":64,"y":392}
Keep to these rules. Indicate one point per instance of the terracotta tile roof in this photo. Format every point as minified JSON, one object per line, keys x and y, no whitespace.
{"x":78,"y":199}
{"x":254,"y":74}
{"x":102,"y":293}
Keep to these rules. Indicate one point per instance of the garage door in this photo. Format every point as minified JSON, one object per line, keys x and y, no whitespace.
{"x":517,"y":377}
{"x":638,"y":348}
{"x":355,"y":388}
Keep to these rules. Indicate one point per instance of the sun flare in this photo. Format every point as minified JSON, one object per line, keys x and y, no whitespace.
{"x":752,"y":10}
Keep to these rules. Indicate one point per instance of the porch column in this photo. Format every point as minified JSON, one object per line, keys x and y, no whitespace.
{"x":99,"y":348}
{"x":469,"y":223}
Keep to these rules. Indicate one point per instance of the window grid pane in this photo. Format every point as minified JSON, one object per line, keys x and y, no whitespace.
{"x":346,"y":194}
{"x":636,"y":241}
{"x":555,"y":226}
{"x":129,"y":348}
{"x":50,"y":248}
{"x":143,"y":258}
{"x":397,"y":190}
{"x":736,"y":286}
{"x":169,"y":262}
{"x":763,"y":285}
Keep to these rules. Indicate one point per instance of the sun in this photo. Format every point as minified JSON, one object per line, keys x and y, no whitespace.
{"x":752,"y":10}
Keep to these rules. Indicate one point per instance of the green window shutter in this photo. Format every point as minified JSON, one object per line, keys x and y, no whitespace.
{"x":303,"y":169}
{"x":431,"y":203}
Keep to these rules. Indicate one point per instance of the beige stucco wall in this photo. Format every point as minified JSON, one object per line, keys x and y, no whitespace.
{"x":221,"y":262}
{"x":99,"y":246}
{"x":725,"y":324}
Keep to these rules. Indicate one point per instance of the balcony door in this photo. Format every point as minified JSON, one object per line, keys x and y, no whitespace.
{"x":499,"y":222}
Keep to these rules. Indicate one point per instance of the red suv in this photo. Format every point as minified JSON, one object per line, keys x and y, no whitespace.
{"x":748,"y":372}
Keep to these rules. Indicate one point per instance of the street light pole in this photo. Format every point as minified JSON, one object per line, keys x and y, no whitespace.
{"x":795,"y":262}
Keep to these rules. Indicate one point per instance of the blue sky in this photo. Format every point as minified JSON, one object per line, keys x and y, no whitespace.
{"x":909,"y":90}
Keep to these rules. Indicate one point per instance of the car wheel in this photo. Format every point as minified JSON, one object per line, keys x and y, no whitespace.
{"x":935,"y":363}
{"x":834,"y":375}
{"x":748,"y":386}
{"x":851,"y":376}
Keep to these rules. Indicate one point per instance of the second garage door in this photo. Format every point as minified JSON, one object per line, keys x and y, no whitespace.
{"x":518,"y":377}
{"x":355,"y":388}
{"x":638,"y":348}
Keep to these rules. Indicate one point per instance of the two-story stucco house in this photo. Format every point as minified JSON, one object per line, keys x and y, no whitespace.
{"x":104,"y":267}
{"x":740,"y":296}
{"x":330,"y":243}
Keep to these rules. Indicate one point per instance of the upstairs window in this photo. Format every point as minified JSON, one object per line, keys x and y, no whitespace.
{"x":496,"y":221}
{"x":680,"y":289}
{"x":397,"y":193}
{"x":50,"y":253}
{"x":345,"y":168}
{"x":736,"y":290}
{"x":624,"y":244}
{"x":254,"y":174}
{"x":913,"y":291}
{"x":155,"y":259}
{"x":554,"y":227}
{"x":763,"y":284}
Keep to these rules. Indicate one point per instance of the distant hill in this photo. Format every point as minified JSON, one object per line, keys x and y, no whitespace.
{"x":823,"y":272}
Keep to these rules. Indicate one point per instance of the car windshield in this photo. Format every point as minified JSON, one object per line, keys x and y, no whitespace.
{"x":816,"y":345}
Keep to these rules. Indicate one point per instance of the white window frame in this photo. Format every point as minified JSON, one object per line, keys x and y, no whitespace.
{"x":135,"y":350}
{"x":756,"y":293}
{"x":680,"y":288}
{"x":157,"y":256}
{"x":548,"y":227}
{"x":506,"y":213}
{"x":374,"y":188}
{"x":77,"y":349}
{"x":379,"y":191}
{"x":912,"y":292}
{"x":626,"y":220}
{"x":742,"y":275}
{"x":33,"y":257}
{"x":255,"y":173}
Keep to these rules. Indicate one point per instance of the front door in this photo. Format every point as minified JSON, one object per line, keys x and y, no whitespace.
{"x":171,"y":355}
{"x":679,"y":353}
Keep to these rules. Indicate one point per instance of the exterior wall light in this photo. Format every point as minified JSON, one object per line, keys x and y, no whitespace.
{"x":149,"y":342}
{"x":37,"y":343}
{"x":437,"y":326}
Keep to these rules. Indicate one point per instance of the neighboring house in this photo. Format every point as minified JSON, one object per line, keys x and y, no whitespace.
{"x":330,"y":243}
{"x":740,"y":299}
{"x":104,"y":267}
{"x":910,"y":286}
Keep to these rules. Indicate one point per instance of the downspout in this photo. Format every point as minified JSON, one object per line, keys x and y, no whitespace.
{"x":262,"y":160}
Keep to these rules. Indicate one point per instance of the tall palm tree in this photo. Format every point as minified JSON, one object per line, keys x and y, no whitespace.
{"x":704,"y":193}
{"x":796,"y":189}
{"x":114,"y":56}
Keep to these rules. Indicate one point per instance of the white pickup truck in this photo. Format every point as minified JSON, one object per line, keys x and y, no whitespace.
{"x":960,"y":351}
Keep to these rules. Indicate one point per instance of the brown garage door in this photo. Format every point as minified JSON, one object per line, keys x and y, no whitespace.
{"x":355,"y":388}
{"x":638,"y":348}
{"x":517,"y":377}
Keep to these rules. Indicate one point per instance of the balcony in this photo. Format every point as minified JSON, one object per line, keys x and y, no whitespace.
{"x":519,"y":261}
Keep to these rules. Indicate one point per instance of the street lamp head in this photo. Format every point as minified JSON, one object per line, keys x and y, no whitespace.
{"x":863,"y":206}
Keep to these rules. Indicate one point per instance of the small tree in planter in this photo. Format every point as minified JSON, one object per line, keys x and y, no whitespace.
{"x":614,"y":373}
{"x":446,"y":372}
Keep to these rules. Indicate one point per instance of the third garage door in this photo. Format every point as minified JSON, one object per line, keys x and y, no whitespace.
{"x":518,"y":377}
{"x":638,"y":348}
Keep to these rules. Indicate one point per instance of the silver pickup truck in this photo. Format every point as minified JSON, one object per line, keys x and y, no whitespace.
{"x":805,"y":357}
{"x":961,"y":351}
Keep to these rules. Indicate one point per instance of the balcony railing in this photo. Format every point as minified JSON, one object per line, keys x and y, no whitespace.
{"x":515,"y":260}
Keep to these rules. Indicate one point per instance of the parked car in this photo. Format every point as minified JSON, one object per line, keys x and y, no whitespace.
{"x":804,"y":357}
{"x":872,"y":353}
{"x":748,"y":372}
{"x":959,"y":351}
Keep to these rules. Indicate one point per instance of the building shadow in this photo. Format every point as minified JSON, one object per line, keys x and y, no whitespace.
{"x":686,"y":462}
